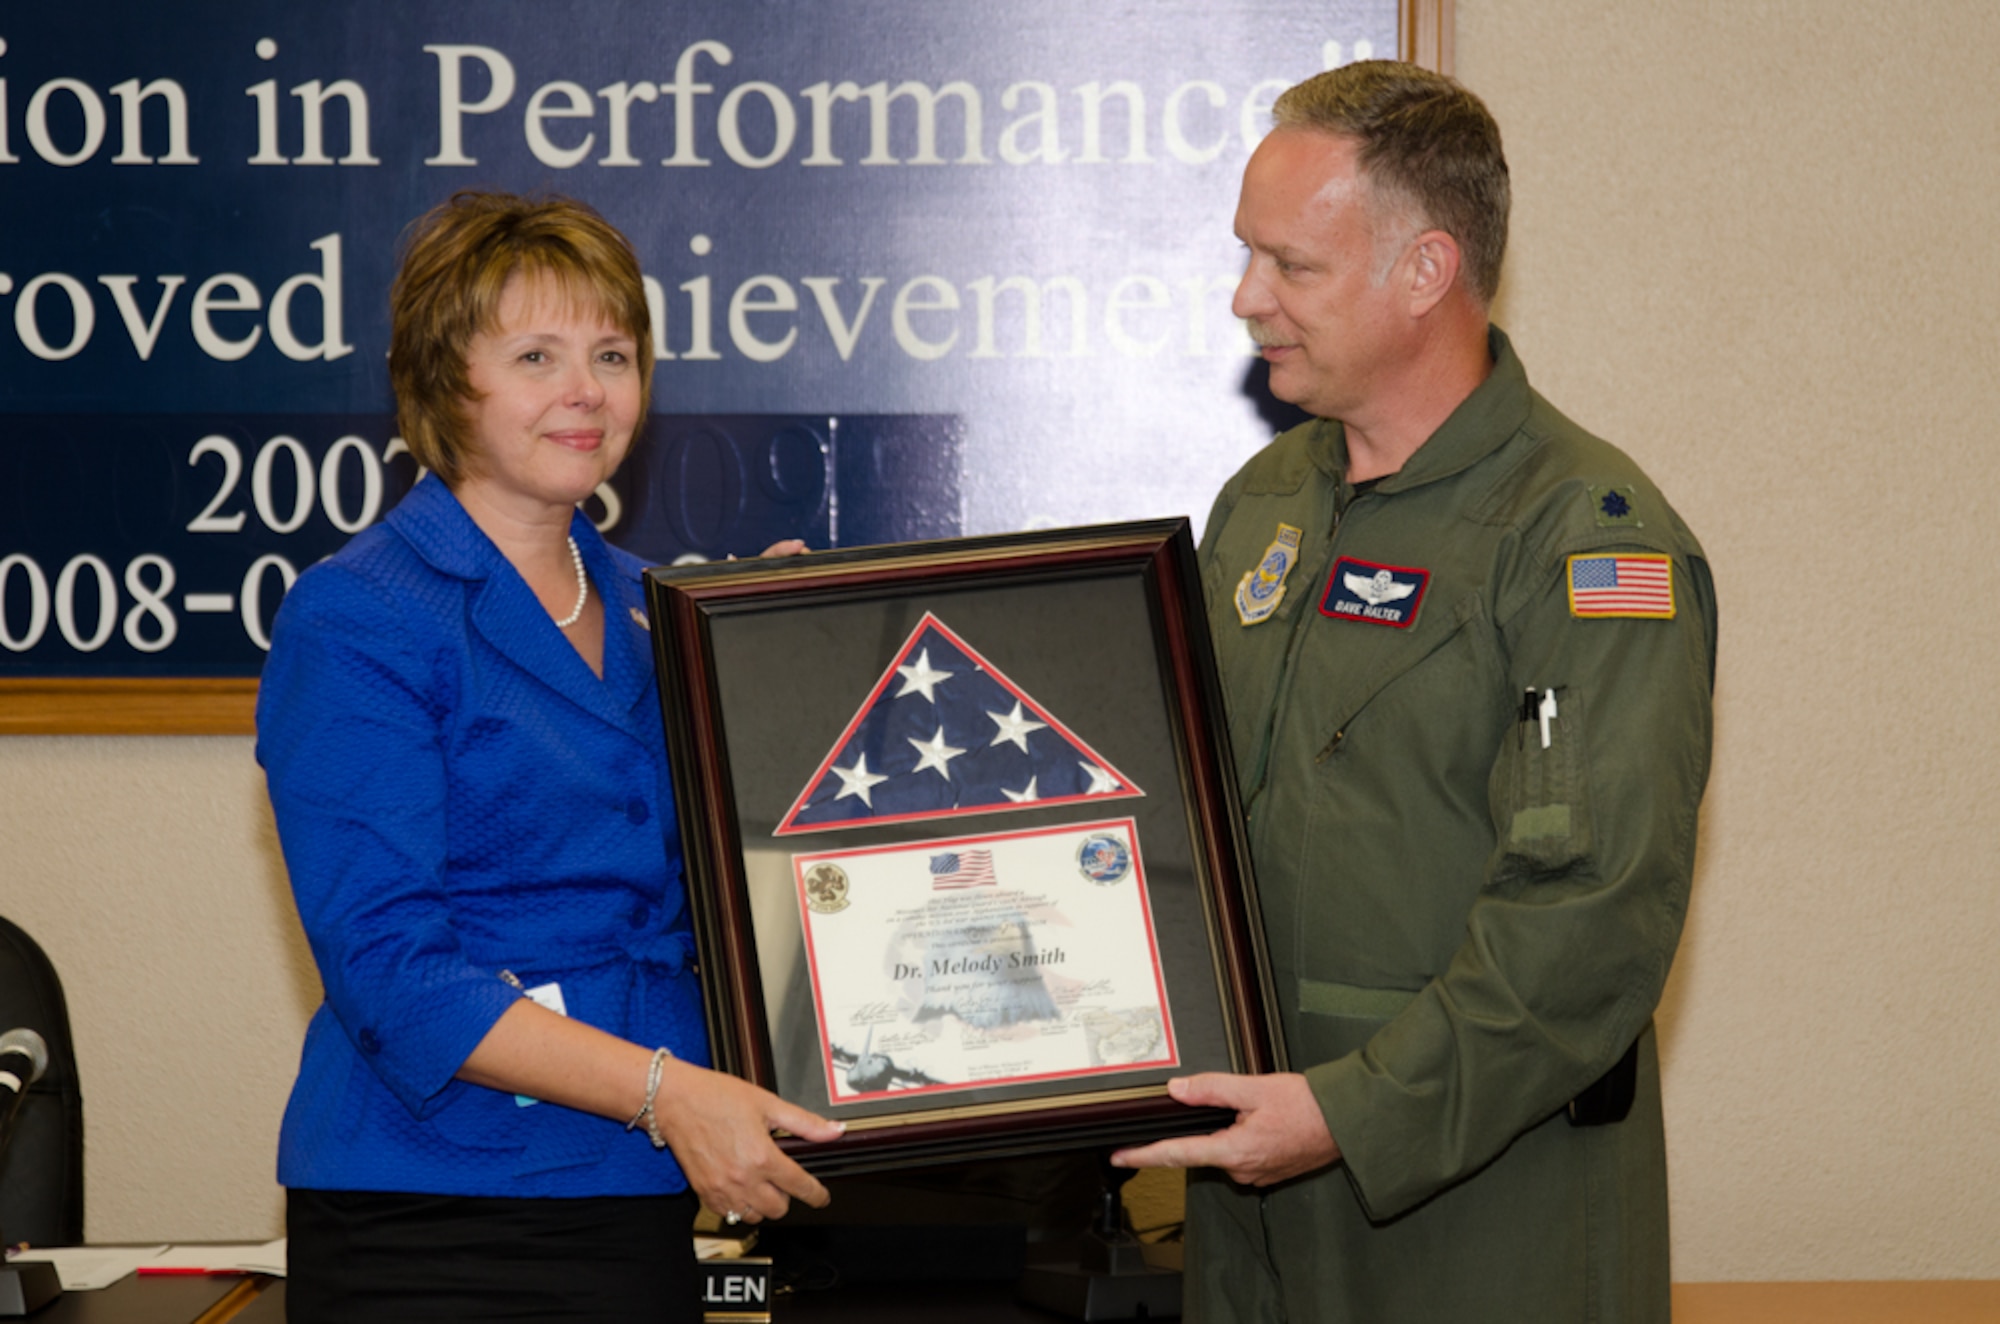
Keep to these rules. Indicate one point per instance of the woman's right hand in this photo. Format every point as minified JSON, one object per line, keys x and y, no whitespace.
{"x":719,"y":1128}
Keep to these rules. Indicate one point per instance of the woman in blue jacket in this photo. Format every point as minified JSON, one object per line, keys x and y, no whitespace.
{"x":502,"y":1102}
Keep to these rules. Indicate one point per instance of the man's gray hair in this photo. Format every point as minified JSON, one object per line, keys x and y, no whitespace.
{"x":1428,"y":148}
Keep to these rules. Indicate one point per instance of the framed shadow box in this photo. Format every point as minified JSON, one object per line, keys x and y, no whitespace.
{"x":962,"y":839}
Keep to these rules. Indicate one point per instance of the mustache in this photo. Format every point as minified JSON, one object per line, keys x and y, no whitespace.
{"x":1263,"y":335}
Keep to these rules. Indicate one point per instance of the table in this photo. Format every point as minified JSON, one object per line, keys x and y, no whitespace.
{"x":256,"y":1299}
{"x":267,"y":1307}
{"x":156,"y":1299}
{"x":1962,"y":1302}
{"x":1940,"y":1302}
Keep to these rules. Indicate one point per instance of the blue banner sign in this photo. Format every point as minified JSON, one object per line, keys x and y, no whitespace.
{"x":914,"y":270}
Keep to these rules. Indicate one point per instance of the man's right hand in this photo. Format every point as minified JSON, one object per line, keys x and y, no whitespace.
{"x":1279,"y":1131}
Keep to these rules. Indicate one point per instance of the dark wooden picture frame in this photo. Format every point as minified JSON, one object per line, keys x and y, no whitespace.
{"x":762,"y":665}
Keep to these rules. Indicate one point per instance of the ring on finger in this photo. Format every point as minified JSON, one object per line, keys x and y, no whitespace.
{"x":732,"y":1218}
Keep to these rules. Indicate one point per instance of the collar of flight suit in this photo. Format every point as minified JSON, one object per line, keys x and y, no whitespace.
{"x":1480,"y":425}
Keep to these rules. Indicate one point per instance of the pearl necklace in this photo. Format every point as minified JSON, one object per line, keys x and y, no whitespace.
{"x":582,"y":588}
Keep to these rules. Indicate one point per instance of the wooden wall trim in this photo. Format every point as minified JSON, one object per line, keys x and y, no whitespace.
{"x":1426,"y":27}
{"x":196,"y":706}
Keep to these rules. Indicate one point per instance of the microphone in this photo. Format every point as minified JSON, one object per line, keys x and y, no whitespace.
{"x":24,"y":1056}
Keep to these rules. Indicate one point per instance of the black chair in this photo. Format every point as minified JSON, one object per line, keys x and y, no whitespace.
{"x":41,"y":1174}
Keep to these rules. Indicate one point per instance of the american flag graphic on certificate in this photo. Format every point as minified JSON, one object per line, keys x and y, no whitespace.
{"x":955,"y":869}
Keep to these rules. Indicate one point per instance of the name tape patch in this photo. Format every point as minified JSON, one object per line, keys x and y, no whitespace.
{"x":1604,"y":585}
{"x":1379,"y":594}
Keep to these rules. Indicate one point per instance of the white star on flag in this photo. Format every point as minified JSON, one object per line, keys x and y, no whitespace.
{"x":1028,"y":796}
{"x":1101,"y":782}
{"x":920,"y":678}
{"x":857,"y":780}
{"x":1015,"y":727}
{"x":934,"y":753}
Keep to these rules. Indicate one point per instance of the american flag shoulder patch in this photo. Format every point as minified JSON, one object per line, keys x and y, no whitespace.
{"x":1621,"y":584}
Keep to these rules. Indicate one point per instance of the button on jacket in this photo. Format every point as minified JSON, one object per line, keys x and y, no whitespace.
{"x":1467,"y":927}
{"x":458,"y":795}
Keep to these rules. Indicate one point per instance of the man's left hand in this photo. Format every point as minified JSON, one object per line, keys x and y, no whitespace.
{"x":1279,"y":1133}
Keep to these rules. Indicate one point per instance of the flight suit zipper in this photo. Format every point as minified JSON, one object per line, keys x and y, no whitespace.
{"x":1342,"y":504}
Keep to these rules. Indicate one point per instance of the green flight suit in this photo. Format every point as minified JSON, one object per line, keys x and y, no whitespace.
{"x":1466,"y":928}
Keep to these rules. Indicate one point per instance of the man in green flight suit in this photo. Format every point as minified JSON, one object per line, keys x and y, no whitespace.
{"x":1468,"y":651}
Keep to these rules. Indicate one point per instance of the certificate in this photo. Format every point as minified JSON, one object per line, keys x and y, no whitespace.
{"x":988,"y":960}
{"x":963,"y":851}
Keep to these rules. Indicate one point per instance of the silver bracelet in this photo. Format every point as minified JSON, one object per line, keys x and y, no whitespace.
{"x":646,"y":1113}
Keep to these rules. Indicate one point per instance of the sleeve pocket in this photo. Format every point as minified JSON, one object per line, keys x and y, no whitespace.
{"x":1542,"y":796}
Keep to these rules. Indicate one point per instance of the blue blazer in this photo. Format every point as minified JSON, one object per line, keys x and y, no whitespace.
{"x":458,"y":795}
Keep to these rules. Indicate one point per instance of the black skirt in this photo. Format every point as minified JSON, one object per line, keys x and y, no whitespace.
{"x":386,"y":1258}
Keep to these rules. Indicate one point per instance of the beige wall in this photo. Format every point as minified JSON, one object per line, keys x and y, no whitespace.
{"x":1753,"y":246}
{"x":149,"y":870}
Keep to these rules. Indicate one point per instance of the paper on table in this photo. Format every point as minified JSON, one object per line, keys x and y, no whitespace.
{"x":268,"y":1257}
{"x":87,"y":1268}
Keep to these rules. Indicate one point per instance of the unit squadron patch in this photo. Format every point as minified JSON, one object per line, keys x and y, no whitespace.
{"x":1379,"y":594}
{"x":1261,"y":590}
{"x":1104,"y":859}
{"x":826,"y":889}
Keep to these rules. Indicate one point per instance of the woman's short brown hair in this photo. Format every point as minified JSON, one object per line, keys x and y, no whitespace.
{"x":457,"y":259}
